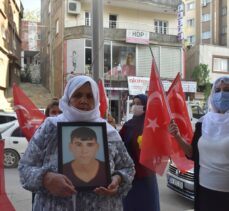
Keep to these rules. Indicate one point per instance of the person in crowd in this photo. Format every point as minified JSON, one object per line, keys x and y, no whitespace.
{"x":38,"y":168}
{"x":85,"y":169}
{"x":144,"y":194}
{"x":52,"y":108}
{"x":210,"y":150}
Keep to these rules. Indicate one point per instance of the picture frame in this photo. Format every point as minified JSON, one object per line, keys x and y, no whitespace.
{"x":83,"y":154}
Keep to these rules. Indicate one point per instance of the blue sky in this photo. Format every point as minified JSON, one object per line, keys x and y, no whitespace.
{"x":31,"y":4}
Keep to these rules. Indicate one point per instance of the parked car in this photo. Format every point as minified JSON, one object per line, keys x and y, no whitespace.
{"x":182,"y":183}
{"x":15,"y":144}
{"x":6,"y":120}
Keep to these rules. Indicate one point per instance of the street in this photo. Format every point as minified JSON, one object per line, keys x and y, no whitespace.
{"x":21,"y":198}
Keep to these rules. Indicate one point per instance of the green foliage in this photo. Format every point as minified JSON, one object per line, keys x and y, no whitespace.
{"x":201,"y":75}
{"x":32,"y":15}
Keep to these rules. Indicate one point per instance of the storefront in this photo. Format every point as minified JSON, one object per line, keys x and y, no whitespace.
{"x":121,"y":59}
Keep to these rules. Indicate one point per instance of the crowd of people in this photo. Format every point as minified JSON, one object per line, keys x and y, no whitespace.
{"x":132,"y":186}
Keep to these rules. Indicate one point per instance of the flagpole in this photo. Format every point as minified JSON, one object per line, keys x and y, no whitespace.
{"x":165,"y":97}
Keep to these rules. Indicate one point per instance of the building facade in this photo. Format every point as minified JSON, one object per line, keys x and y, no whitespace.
{"x":132,"y":30}
{"x":206,"y":29}
{"x":30,"y":54}
{"x":10,"y":20}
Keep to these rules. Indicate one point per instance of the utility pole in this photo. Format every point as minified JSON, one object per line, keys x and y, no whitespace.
{"x":97,"y":40}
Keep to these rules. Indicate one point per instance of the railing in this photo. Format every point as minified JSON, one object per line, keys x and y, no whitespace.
{"x":131,"y":25}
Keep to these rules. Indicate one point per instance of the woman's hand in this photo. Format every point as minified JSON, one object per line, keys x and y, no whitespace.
{"x":173,"y":129}
{"x":112,"y":188}
{"x":58,"y":184}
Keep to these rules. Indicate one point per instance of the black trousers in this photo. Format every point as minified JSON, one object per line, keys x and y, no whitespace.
{"x":210,"y":200}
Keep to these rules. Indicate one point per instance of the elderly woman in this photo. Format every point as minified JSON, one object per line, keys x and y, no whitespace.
{"x":210,"y":151}
{"x":38,"y":166}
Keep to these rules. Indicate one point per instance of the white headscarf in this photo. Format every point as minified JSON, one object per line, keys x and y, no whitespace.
{"x":215,"y":124}
{"x":72,"y":114}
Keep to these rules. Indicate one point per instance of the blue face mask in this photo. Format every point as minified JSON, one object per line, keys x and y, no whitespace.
{"x":221,"y":101}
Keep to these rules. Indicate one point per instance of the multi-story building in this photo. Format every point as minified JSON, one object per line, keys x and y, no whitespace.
{"x":205,"y":27}
{"x":10,"y":20}
{"x":131,"y":28}
{"x":30,"y":54}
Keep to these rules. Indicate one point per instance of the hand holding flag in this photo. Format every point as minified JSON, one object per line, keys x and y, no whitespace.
{"x":180,"y":115}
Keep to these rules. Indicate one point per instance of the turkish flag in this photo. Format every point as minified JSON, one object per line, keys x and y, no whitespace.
{"x":5,"y":203}
{"x":29,"y":116}
{"x":103,"y":99}
{"x":156,"y":143}
{"x":180,"y":115}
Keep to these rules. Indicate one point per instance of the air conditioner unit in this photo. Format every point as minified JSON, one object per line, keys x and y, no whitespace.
{"x":74,"y":7}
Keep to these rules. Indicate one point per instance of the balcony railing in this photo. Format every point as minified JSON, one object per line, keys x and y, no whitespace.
{"x":131,"y":25}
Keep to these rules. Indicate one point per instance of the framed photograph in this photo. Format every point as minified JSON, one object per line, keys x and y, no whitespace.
{"x":83,"y":154}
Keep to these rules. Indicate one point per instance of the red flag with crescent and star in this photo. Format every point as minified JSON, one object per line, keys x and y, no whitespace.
{"x":180,"y":115}
{"x":5,"y":203}
{"x":156,"y":142}
{"x":103,"y":99}
{"x":29,"y":116}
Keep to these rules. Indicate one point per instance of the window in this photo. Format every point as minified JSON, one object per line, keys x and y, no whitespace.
{"x":49,"y":7}
{"x":87,"y":19}
{"x":38,"y":36}
{"x":112,"y":21}
{"x":161,"y":27}
{"x":191,"y":6}
{"x":224,"y":11}
{"x":17,"y":133}
{"x":224,"y":30}
{"x":191,"y":22}
{"x":191,"y":39}
{"x":206,"y":17}
{"x":206,"y":35}
{"x":221,"y":64}
{"x":5,"y":119}
{"x":57,"y":26}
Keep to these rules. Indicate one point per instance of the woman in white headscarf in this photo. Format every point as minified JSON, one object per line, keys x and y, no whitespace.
{"x":38,"y":166}
{"x":210,"y":151}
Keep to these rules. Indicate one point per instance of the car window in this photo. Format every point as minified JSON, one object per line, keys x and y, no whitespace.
{"x":17,"y":133}
{"x":5,"y":119}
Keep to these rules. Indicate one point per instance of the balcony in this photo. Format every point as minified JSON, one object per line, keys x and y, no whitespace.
{"x":161,"y":35}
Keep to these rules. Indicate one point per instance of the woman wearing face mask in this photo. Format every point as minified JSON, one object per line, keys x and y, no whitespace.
{"x":144,"y":193}
{"x":210,"y":151}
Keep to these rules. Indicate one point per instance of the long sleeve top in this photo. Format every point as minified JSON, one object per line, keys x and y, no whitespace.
{"x":41,"y":157}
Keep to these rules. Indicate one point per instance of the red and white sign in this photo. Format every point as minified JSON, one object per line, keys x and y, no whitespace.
{"x":139,"y":85}
{"x":136,"y":36}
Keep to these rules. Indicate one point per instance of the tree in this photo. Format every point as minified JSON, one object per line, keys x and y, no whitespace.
{"x":32,"y":15}
{"x":201,"y":75}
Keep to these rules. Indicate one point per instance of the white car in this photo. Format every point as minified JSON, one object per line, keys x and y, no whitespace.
{"x":6,"y":120}
{"x":15,"y":144}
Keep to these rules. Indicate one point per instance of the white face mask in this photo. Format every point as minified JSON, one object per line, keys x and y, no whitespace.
{"x":137,"y":110}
